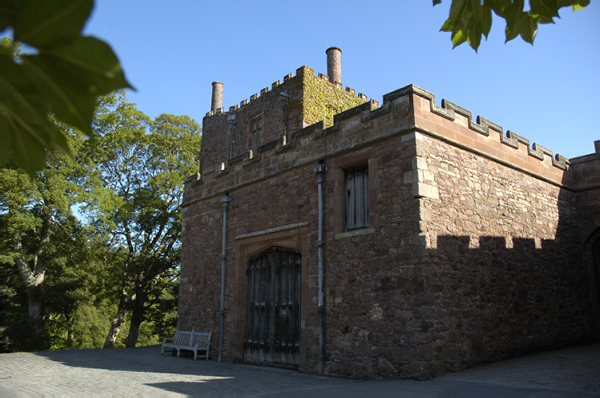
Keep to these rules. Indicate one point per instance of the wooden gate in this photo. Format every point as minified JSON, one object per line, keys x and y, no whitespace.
{"x":273,"y":308}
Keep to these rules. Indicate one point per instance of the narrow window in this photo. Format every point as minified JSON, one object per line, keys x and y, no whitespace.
{"x":256,"y":131}
{"x":357,"y":198}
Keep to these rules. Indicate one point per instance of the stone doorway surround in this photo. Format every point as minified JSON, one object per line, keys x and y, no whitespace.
{"x":292,"y":236}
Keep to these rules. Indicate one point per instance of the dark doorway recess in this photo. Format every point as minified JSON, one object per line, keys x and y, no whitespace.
{"x":272,"y":335}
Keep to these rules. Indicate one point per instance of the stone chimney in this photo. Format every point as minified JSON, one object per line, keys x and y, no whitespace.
{"x":217,"y":96}
{"x":334,"y":64}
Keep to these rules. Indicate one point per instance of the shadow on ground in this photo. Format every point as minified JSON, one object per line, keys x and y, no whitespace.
{"x":569,"y":372}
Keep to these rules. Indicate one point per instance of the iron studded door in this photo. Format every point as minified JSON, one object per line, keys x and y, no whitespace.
{"x":273,"y":308}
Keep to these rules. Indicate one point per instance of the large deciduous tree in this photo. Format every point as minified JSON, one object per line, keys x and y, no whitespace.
{"x":142,"y":165}
{"x":469,"y":20}
{"x":32,"y":211}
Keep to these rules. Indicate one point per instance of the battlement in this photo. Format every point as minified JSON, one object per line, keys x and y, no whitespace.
{"x":410,"y":109}
{"x":300,"y":72}
{"x":482,"y":126}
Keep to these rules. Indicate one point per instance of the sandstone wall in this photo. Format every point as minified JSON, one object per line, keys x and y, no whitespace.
{"x":300,"y":101}
{"x":200,"y":286}
{"x":506,"y":267}
{"x":586,"y":173}
{"x":472,"y":253}
{"x":371,"y":276}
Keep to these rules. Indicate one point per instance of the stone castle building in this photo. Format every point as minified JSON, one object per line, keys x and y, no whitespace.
{"x":336,"y":236}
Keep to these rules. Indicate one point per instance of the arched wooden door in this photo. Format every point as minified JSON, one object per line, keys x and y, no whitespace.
{"x":272,"y":335}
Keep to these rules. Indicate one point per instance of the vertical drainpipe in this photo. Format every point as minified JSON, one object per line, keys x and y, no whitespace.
{"x":320,"y":171}
{"x":225,"y":200}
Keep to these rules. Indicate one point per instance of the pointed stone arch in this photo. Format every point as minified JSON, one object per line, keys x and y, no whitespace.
{"x":249,"y":248}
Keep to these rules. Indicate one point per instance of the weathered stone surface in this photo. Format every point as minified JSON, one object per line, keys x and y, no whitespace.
{"x":385,"y":368}
{"x":487,"y":264}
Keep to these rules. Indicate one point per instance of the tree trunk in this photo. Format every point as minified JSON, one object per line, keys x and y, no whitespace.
{"x":35,"y":312}
{"x":137,"y":317}
{"x":33,"y":276}
{"x":70,"y":339}
{"x":115,"y":327}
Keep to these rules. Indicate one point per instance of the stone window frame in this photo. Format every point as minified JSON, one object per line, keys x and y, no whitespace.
{"x":255,"y":133}
{"x":338,"y":167}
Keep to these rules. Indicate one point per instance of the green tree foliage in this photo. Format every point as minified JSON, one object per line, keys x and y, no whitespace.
{"x":64,"y":76}
{"x":141,"y":165}
{"x":75,"y":297}
{"x":76,"y":304}
{"x":63,"y":278}
{"x":33,"y":212}
{"x":469,"y":20}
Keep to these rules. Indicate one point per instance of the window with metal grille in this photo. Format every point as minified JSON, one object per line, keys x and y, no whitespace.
{"x":256,"y":131}
{"x":357,"y":198}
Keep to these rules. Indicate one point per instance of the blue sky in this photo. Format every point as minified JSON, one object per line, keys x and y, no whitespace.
{"x":171,"y":51}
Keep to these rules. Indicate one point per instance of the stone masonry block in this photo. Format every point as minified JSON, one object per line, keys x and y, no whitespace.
{"x":413,"y":176}
{"x":423,"y":190}
{"x":412,"y":136}
{"x":427,"y":176}
{"x":419,"y":163}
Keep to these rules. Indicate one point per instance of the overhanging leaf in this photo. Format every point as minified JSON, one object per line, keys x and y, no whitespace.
{"x":456,"y":9}
{"x":474,"y":37}
{"x":514,"y":15}
{"x":43,"y":23}
{"x":528,"y":29}
{"x":7,"y":10}
{"x":92,"y":63}
{"x":26,"y":129}
{"x":486,"y":21}
{"x":543,"y":11}
{"x":448,"y":25}
{"x":21,"y":147}
{"x":71,"y":78}
{"x":68,"y":101}
{"x":580,"y":5}
{"x":458,"y":38}
{"x":470,"y":17}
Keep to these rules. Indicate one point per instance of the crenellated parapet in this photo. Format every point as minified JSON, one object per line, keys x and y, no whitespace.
{"x":300,"y":100}
{"x":482,"y":126}
{"x":404,"y":111}
{"x":302,"y":71}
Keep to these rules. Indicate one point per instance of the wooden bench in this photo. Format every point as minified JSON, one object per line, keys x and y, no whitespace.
{"x":191,"y":341}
